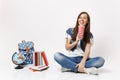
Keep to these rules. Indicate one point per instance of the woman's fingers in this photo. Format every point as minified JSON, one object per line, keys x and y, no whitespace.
{"x":79,"y":36}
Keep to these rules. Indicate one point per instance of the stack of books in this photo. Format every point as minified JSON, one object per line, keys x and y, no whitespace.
{"x":40,"y":61}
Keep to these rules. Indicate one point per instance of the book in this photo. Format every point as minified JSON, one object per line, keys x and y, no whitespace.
{"x":40,"y":58}
{"x":38,"y":68}
{"x":45,"y":58}
{"x":36,"y":59}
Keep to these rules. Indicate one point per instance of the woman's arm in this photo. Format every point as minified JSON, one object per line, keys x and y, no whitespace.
{"x":87,"y":52}
{"x":81,"y":65}
{"x":69,"y":45}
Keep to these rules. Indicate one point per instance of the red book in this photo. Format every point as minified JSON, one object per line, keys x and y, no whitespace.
{"x":45,"y":58}
{"x":35,"y":58}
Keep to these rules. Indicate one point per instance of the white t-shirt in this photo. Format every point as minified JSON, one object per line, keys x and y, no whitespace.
{"x":77,"y":51}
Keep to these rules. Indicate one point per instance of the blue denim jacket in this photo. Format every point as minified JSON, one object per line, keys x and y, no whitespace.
{"x":82,"y":43}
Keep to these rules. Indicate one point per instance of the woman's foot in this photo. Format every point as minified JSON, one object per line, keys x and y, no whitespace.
{"x":65,"y":69}
{"x":92,"y":70}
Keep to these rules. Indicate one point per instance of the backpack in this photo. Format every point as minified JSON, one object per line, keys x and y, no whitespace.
{"x":22,"y":52}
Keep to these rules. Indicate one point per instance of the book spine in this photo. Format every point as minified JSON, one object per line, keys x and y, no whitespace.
{"x":38,"y":58}
{"x":35,"y":58}
{"x":41,"y":61}
{"x":45,"y":58}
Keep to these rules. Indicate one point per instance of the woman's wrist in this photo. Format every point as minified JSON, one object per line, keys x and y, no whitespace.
{"x":74,"y":43}
{"x":77,"y":41}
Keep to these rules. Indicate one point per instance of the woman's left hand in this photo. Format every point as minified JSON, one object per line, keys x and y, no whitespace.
{"x":81,"y":67}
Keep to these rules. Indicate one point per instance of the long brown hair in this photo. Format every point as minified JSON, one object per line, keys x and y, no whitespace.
{"x":86,"y":37}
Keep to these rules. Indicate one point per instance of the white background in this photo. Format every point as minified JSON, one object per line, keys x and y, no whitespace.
{"x":45,"y":21}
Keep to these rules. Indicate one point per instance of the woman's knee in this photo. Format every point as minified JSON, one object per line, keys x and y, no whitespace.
{"x":57,"y":55}
{"x":101,"y":62}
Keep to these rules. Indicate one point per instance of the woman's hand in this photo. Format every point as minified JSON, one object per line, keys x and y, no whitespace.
{"x":81,"y":67}
{"x":79,"y":37}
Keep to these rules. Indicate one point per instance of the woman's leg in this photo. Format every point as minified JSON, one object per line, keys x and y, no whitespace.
{"x":67,"y":62}
{"x":95,"y":62}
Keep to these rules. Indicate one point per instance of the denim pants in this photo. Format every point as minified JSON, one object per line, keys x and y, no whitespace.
{"x":71,"y":62}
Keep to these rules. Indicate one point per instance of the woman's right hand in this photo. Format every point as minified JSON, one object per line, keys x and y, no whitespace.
{"x":79,"y":37}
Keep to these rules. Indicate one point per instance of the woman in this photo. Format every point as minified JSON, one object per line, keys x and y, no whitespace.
{"x":79,"y":60}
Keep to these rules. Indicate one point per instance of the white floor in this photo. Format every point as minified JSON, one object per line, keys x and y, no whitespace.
{"x":7,"y":72}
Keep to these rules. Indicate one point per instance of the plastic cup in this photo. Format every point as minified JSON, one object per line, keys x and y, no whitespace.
{"x":81,"y":30}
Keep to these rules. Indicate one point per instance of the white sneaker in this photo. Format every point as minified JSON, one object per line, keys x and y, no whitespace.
{"x":91,"y":70}
{"x":65,"y":69}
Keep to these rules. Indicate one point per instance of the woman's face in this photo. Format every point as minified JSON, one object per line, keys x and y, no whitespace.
{"x":83,"y":19}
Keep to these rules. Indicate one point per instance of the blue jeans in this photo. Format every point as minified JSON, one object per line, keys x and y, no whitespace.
{"x":71,"y":62}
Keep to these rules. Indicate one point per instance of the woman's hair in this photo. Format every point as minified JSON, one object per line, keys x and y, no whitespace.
{"x":86,"y":37}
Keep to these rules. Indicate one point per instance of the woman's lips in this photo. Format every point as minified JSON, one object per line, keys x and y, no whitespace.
{"x":81,"y":22}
